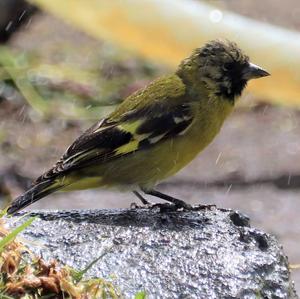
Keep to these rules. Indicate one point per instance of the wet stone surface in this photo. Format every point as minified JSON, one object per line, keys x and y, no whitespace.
{"x":204,"y":254}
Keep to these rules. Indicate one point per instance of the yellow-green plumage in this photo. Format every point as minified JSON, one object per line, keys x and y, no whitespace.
{"x":157,"y":130}
{"x":147,"y":167}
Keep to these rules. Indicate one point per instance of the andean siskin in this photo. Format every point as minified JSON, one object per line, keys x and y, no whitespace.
{"x":156,"y":131}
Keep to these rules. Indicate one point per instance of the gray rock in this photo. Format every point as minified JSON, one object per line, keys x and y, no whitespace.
{"x":203,"y":254}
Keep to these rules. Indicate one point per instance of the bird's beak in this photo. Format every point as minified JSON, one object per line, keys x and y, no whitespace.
{"x":253,"y":71}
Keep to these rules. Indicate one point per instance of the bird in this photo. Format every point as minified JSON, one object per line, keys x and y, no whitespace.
{"x":155,"y":131}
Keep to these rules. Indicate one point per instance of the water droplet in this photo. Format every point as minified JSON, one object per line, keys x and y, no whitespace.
{"x":289,"y":179}
{"x":228,"y":189}
{"x":22,"y":15}
{"x":218,"y":158}
{"x":8,"y":25}
{"x":216,"y":16}
{"x":23,"y":142}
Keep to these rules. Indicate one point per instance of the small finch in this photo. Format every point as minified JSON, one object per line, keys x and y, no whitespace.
{"x":154,"y":132}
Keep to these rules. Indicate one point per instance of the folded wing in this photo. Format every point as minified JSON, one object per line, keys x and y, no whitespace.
{"x":137,"y":129}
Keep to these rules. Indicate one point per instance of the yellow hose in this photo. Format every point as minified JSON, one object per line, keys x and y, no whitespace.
{"x":167,"y":30}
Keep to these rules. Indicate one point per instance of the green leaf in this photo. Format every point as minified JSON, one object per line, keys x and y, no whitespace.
{"x":12,"y":235}
{"x":77,"y":275}
{"x":140,"y":295}
{"x":3,"y":212}
{"x":3,"y":296}
{"x":13,"y":67}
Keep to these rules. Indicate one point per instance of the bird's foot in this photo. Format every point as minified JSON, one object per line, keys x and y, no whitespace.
{"x":161,"y":207}
{"x":165,"y":207}
{"x":200,"y":207}
{"x":170,"y":207}
{"x":152,"y":206}
{"x":188,"y":207}
{"x":135,"y":206}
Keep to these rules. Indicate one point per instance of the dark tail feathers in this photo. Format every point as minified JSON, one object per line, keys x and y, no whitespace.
{"x":35,"y":193}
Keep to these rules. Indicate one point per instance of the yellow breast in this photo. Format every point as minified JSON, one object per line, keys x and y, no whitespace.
{"x":207,"y":125}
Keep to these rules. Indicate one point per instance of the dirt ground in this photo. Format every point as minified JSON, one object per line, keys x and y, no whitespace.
{"x":252,"y":166}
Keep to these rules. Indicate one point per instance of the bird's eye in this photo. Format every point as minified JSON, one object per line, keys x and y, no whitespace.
{"x":228,"y":66}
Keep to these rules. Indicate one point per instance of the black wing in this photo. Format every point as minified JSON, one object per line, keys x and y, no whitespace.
{"x":108,"y":140}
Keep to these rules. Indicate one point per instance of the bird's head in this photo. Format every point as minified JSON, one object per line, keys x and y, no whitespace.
{"x":222,"y":67}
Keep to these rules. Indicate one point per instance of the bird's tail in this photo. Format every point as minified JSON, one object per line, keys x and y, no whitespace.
{"x":35,"y":193}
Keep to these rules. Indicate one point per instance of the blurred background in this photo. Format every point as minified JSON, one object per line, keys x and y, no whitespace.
{"x":65,"y":64}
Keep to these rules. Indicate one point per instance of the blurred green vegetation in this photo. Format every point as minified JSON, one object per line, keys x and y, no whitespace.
{"x":67,"y":90}
{"x":54,"y":82}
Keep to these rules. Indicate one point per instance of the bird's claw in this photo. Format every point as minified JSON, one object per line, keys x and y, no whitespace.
{"x":152,"y":206}
{"x":203,"y":207}
{"x":199,"y":207}
{"x":164,"y":207}
{"x":135,"y":206}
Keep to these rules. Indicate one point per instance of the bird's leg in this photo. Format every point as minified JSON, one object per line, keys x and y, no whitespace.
{"x":141,"y":198}
{"x":147,"y":204}
{"x":177,"y":202}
